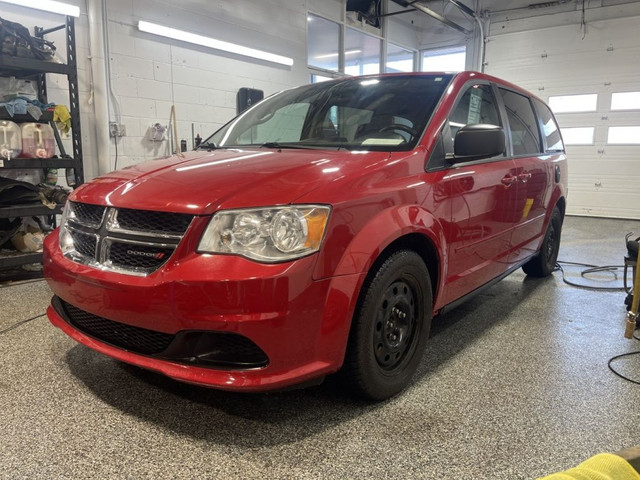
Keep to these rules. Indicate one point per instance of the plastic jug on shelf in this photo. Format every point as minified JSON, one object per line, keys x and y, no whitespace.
{"x":10,"y":140}
{"x":38,"y":140}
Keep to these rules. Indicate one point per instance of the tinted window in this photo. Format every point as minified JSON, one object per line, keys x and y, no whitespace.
{"x":477,"y":105}
{"x":522,"y":123}
{"x":550,"y":129}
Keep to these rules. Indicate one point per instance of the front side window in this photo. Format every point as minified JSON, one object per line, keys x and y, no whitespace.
{"x":387,"y":114}
{"x":523,"y":124}
{"x":477,"y":105}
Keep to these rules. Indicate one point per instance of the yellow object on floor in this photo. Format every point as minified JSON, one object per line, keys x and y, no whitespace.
{"x":604,"y":466}
{"x":62,"y":118}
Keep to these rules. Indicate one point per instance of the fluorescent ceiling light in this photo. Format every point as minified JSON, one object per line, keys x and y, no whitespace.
{"x":329,"y":55}
{"x":47,"y":6}
{"x":212,"y":43}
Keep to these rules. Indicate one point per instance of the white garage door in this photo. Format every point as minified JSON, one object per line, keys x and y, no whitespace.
{"x":604,"y":64}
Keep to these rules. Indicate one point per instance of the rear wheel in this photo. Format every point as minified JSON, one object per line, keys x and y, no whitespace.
{"x":391,"y":327}
{"x":543,"y":264}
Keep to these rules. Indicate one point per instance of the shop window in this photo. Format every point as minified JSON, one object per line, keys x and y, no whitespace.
{"x":323,"y":43}
{"x":319,"y":78}
{"x":578,"y":135}
{"x":399,"y":59}
{"x":444,"y":60}
{"x":573,"y":103}
{"x":361,"y":53}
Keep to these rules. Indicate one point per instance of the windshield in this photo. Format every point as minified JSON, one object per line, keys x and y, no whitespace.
{"x":375,"y":113}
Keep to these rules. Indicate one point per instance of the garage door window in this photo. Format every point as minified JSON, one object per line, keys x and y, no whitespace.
{"x":624,"y":136}
{"x":574,"y":103}
{"x":578,"y":135}
{"x":625,"y":101}
{"x":523,"y":124}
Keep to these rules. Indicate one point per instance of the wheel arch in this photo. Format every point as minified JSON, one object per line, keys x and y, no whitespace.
{"x":419,"y":243}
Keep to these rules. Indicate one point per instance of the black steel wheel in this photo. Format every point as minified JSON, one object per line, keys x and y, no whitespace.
{"x":544,"y":263}
{"x":390,"y":327}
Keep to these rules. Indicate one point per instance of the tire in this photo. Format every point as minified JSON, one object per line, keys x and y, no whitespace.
{"x":544,"y":263}
{"x":390,"y":327}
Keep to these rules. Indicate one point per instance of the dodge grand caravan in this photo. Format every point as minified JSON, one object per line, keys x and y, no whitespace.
{"x":320,"y":230}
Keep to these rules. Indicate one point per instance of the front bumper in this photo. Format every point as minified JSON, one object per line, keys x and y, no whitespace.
{"x":299,"y":324}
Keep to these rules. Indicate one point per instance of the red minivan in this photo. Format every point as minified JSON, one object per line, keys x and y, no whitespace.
{"x":320,"y":230}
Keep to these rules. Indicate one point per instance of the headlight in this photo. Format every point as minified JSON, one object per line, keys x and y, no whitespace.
{"x":66,"y":242}
{"x":271,"y":234}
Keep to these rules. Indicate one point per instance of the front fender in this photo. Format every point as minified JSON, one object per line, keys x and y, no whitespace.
{"x":361,"y":249}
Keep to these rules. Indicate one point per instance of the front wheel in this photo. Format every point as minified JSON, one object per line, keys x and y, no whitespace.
{"x":391,"y":327}
{"x":543,"y":264}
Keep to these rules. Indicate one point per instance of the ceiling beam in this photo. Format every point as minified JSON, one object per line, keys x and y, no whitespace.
{"x":416,"y":5}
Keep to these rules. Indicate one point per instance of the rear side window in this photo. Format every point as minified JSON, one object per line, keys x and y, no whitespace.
{"x":550,"y":130}
{"x":523,"y":125}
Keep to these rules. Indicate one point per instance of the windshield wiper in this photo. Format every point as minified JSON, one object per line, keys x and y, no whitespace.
{"x":208,"y":146}
{"x":299,"y":145}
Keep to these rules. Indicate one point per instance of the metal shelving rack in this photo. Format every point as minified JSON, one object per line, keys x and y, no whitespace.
{"x":28,"y":68}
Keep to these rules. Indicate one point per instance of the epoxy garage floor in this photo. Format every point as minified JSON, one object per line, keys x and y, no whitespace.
{"x":514,"y":385}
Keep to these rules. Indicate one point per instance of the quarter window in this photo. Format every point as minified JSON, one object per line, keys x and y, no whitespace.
{"x":523,"y":125}
{"x":550,"y":130}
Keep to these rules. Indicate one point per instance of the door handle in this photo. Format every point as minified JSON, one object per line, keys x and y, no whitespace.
{"x":508,"y":179}
{"x":524,"y":177}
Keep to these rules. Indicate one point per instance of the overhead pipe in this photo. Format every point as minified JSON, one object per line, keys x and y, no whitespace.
{"x":472,"y":13}
{"x":99,"y":91}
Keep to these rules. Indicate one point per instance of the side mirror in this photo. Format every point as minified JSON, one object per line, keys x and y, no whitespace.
{"x":477,"y":141}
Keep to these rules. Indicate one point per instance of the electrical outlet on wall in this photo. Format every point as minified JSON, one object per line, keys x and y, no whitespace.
{"x":117,"y":129}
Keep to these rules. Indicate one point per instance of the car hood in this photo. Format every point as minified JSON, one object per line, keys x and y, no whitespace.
{"x":203,"y":182}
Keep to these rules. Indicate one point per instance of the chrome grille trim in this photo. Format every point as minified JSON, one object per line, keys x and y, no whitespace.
{"x":145,"y":251}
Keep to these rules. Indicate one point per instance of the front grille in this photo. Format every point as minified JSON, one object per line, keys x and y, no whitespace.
{"x":156,"y":222}
{"x":135,"y":242}
{"x":135,"y":339}
{"x":125,"y":255}
{"x":84,"y":243}
{"x":192,"y":347}
{"x":87,"y":214}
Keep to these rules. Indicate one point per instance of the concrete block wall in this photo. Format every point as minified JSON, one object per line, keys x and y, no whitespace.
{"x":150,"y":74}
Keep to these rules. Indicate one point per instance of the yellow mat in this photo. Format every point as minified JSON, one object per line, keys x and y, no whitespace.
{"x":604,"y":466}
